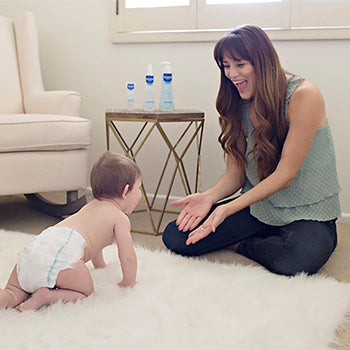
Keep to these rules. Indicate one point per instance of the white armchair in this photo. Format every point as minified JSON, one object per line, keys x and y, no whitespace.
{"x":43,"y":141}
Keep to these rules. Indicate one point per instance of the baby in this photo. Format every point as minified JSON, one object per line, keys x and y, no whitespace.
{"x":51,"y":267}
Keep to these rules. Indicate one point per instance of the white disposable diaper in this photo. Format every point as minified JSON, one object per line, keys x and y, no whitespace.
{"x":54,"y":250}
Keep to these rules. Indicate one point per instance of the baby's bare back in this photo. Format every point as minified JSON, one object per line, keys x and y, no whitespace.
{"x":96,"y":222}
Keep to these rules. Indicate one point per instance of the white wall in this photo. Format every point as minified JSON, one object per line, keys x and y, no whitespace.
{"x":76,"y":54}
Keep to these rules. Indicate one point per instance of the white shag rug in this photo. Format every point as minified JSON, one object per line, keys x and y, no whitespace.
{"x":180,"y":303}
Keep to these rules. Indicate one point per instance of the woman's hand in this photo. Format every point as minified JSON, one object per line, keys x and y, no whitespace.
{"x":197,"y":206}
{"x":209,"y":225}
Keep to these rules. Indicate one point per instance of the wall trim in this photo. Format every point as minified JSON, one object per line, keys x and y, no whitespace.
{"x":345,"y":218}
{"x":207,"y":35}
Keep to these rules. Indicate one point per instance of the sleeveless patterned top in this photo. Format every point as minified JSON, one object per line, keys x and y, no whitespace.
{"x":314,"y":193}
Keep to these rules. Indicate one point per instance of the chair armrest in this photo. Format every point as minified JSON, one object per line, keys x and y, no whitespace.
{"x":53,"y":102}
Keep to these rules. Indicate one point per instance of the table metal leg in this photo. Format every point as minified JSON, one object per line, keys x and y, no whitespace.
{"x":133,"y":150}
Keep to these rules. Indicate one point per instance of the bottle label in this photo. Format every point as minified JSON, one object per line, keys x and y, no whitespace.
{"x":149,"y":79}
{"x":167,"y":77}
{"x":130,"y":86}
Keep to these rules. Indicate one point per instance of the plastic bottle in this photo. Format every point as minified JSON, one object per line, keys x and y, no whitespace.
{"x":166,"y":101}
{"x":149,"y":94}
{"x":130,"y":95}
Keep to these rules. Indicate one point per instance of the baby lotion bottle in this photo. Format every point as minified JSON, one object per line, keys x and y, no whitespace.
{"x":149,"y":94}
{"x":130,"y":95}
{"x":166,"y":101}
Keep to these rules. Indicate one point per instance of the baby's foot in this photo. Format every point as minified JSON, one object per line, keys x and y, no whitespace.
{"x":37,"y":300}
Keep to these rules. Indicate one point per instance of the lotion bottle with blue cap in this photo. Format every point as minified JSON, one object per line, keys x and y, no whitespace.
{"x":166,"y":101}
{"x":149,"y":94}
{"x":130,"y":95}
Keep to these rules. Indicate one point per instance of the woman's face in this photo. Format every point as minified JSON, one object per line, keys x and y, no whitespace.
{"x":242,"y":74}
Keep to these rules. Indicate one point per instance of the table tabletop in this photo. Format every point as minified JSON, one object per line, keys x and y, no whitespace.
{"x":157,"y":115}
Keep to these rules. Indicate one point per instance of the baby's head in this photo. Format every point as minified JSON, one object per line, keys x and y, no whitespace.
{"x":111,"y":174}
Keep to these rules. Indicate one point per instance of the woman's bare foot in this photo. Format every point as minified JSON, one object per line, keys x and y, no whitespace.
{"x":235,"y":246}
{"x":36,"y":300}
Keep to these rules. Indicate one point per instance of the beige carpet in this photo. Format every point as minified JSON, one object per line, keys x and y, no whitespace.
{"x":17,"y":215}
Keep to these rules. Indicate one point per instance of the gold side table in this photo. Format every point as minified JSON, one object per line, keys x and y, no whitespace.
{"x":191,"y":123}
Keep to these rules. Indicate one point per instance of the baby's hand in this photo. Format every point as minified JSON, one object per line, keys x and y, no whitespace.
{"x":100,"y":266}
{"x":125,"y":284}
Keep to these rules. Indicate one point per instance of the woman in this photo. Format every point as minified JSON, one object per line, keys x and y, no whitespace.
{"x":279,"y":151}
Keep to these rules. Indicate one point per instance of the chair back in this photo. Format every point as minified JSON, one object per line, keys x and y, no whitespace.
{"x":11,"y":101}
{"x":28,"y":55}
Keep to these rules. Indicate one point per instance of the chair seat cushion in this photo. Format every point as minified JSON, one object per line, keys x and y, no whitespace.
{"x":33,"y":132}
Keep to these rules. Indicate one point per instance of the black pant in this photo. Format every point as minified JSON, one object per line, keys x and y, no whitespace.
{"x":301,"y":246}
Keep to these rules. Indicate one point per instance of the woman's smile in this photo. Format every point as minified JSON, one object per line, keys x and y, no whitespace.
{"x":241,"y":85}
{"x":242,"y":74}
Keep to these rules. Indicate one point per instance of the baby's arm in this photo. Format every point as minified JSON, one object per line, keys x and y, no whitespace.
{"x":98,"y":261}
{"x":126,"y":252}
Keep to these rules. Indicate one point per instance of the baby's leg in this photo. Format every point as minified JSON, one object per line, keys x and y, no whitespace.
{"x":46,"y":296}
{"x":77,"y":279}
{"x":13,"y":294}
{"x":37,"y":300}
{"x":72,"y":284}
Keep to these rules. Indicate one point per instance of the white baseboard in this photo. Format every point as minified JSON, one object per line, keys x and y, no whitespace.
{"x":160,"y":197}
{"x":88,"y":194}
{"x":345,"y":218}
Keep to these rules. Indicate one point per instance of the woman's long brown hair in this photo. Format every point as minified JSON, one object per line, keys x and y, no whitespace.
{"x":252,"y":44}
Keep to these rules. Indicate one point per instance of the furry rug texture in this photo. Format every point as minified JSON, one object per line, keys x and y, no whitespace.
{"x":180,"y":303}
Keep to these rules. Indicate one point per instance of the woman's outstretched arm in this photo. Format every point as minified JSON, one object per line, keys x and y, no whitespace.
{"x":197,"y":206}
